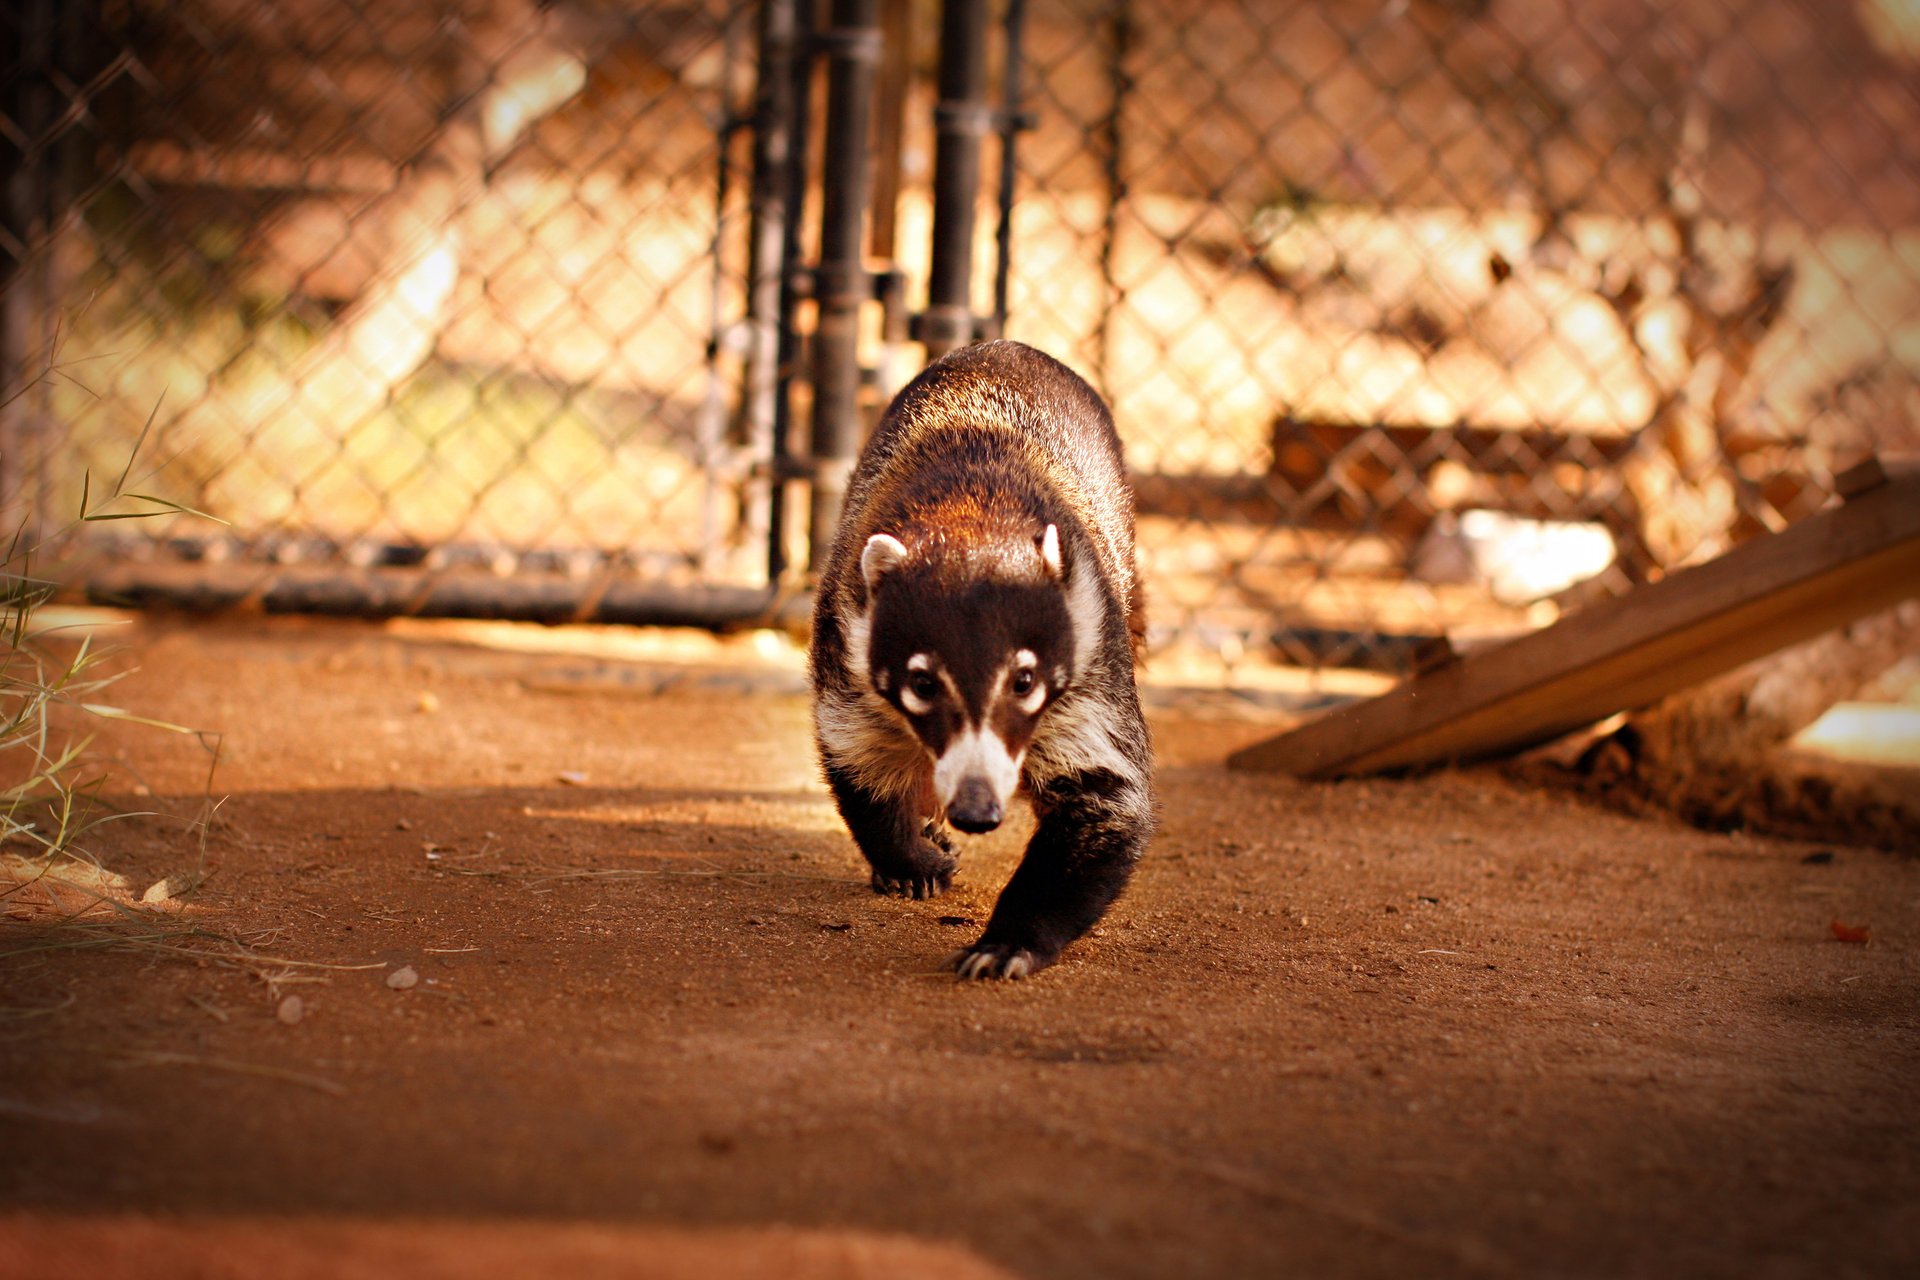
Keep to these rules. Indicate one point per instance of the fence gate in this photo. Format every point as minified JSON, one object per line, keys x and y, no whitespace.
{"x":428,"y":306}
{"x":469,"y":307}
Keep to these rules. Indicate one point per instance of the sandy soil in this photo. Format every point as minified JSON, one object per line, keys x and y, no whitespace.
{"x":1456,"y":1025}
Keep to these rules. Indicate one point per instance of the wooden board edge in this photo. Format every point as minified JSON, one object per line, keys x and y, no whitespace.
{"x":1314,"y":750}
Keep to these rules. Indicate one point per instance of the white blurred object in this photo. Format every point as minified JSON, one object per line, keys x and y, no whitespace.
{"x":531,"y":83}
{"x":1520,"y":560}
{"x":1876,"y":733}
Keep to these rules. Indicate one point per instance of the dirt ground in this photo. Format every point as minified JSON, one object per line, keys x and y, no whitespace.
{"x":1449,"y":1026}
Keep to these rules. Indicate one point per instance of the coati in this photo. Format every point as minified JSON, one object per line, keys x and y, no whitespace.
{"x":973,"y":638}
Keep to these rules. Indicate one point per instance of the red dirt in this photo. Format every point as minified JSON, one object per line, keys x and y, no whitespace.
{"x":1447,"y":1026}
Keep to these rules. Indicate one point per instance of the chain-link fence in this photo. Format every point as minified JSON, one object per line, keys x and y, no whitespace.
{"x":431,"y":282}
{"x":1418,"y":316}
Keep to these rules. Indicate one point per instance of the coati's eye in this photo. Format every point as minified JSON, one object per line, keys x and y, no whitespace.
{"x":922,"y":688}
{"x":1024,"y":682}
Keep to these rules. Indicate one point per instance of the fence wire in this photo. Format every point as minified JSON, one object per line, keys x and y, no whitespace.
{"x":393,"y":281}
{"x":1417,"y":316}
{"x":1446,"y":314}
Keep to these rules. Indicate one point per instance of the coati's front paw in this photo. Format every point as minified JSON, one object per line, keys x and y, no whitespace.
{"x":996,"y":960}
{"x":931,"y":885}
{"x":927,"y":872}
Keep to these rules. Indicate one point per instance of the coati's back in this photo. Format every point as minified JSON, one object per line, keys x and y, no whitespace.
{"x":997,"y":433}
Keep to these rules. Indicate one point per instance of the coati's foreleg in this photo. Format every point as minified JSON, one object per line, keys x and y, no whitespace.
{"x":901,"y":838}
{"x":1093,"y":827}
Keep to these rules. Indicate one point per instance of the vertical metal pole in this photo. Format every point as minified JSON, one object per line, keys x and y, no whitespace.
{"x":840,"y":279}
{"x":766,"y":266}
{"x":711,"y":435}
{"x":1113,"y":140}
{"x":891,"y":85}
{"x":961,"y":120}
{"x":799,"y":108}
{"x":1011,"y":123}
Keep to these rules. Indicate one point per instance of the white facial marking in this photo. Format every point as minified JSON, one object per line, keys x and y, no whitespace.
{"x":977,"y":753}
{"x":1026,"y":660}
{"x":910,"y":699}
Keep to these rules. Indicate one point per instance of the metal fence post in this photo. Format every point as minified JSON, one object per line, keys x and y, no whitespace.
{"x":1013,"y":120}
{"x":764,"y":393}
{"x":962,"y":119}
{"x":840,"y":280}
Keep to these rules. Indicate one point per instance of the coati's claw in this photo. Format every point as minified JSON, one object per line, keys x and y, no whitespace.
{"x":918,"y":887}
{"x":990,"y":961}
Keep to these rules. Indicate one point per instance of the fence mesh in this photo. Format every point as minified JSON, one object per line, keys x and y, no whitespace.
{"x":395,"y":280}
{"x":1416,"y":315}
{"x":1419,"y":315}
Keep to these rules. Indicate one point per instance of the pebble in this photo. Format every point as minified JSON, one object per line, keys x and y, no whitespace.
{"x":402,"y":978}
{"x":291,"y":1010}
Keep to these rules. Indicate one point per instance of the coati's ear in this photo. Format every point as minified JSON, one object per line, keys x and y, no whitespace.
{"x":1050,"y":552}
{"x":884,"y":553}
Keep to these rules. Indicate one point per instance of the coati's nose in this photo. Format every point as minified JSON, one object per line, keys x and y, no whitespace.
{"x":975,"y":808}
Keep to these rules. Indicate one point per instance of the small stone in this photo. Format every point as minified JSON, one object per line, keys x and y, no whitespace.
{"x":574,"y":777}
{"x":403,"y":978}
{"x":429,"y":702}
{"x":163,"y":892}
{"x":291,"y":1010}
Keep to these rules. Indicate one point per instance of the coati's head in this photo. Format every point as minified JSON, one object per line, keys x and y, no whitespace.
{"x":971,"y":649}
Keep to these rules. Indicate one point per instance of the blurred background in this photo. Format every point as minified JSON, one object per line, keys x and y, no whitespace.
{"x":1418,"y":317}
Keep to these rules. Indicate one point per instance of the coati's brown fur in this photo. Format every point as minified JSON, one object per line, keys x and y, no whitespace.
{"x":974,"y":636}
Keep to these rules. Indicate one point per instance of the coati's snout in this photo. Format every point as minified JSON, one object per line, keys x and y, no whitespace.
{"x":975,"y":776}
{"x":975,"y":809}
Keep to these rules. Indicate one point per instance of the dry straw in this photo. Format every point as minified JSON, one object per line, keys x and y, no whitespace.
{"x":55,"y":684}
{"x":52,"y":699}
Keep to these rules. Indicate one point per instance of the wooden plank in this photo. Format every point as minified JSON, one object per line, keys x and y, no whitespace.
{"x":1624,"y":653}
{"x":1863,"y":477}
